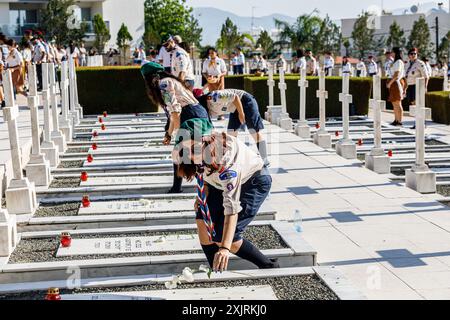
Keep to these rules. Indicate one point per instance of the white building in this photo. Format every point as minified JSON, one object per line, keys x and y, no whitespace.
{"x":19,"y":15}
{"x":406,"y":21}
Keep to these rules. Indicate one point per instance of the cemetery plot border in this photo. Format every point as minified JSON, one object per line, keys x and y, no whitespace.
{"x":299,"y":283}
{"x":297,"y":253}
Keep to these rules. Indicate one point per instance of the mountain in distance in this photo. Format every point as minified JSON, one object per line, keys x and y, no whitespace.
{"x":211,"y":20}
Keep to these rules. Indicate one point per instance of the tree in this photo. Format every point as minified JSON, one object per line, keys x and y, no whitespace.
{"x":123,"y":39}
{"x":363,"y":37}
{"x":444,"y":48}
{"x":170,"y":17}
{"x":59,"y":23}
{"x":102,"y":35}
{"x":303,"y":33}
{"x":420,"y":37}
{"x":265,"y":42}
{"x":347,"y":45}
{"x":230,"y":37}
{"x":396,"y":36}
{"x":329,"y":38}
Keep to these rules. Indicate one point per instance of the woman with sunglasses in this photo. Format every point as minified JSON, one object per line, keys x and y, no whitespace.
{"x":236,"y":184}
{"x":178,"y":102}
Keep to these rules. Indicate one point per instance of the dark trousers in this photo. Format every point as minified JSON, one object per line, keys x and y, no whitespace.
{"x":239,"y":69}
{"x":39,"y":76}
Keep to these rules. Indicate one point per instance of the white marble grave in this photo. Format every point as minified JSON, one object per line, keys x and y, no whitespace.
{"x":141,"y":206}
{"x":264,"y":292}
{"x":127,"y":180}
{"x":131,"y":162}
{"x":124,"y":245}
{"x":8,"y":233}
{"x":131,"y":136}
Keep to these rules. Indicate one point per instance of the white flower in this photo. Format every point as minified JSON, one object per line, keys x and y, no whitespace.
{"x":171,"y":285}
{"x":144,"y":202}
{"x":203,"y":268}
{"x":188,"y":275}
{"x":161,"y":239}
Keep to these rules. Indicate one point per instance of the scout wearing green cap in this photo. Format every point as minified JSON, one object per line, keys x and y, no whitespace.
{"x":151,"y":68}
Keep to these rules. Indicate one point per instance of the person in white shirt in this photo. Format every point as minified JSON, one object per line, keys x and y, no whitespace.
{"x":215,"y":67}
{"x":301,"y":61}
{"x":165,"y":59}
{"x":83,"y":55}
{"x":389,"y":60}
{"x":372,"y":66}
{"x":240,"y":61}
{"x":181,"y":63}
{"x":15,"y":63}
{"x":311,"y":63}
{"x":397,"y":86}
{"x":347,"y":66}
{"x":39,"y":57}
{"x":414,"y":69}
{"x":427,"y":66}
{"x":328,"y":64}
{"x":262,"y":66}
{"x":254,"y":63}
{"x":281,"y":63}
{"x":236,"y":183}
{"x":361,"y":70}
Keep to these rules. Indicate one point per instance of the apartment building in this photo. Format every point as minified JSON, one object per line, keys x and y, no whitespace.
{"x":19,"y":15}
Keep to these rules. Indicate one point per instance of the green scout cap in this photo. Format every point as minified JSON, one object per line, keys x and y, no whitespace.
{"x":197,"y":127}
{"x":151,"y":68}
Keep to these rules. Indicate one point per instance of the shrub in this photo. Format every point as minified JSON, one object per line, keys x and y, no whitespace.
{"x":439,"y":102}
{"x":114,"y":89}
{"x":360,"y":88}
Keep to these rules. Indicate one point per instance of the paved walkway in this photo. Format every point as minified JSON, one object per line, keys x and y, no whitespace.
{"x":390,"y":241}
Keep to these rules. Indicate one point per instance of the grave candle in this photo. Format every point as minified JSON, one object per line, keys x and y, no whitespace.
{"x":53,"y":294}
{"x":90,"y":158}
{"x":100,"y":119}
{"x":390,"y":153}
{"x":317,"y":125}
{"x":84,"y":176}
{"x":86,"y":202}
{"x":94,"y":146}
{"x":66,"y":239}
{"x":103,"y":127}
{"x":95,"y":134}
{"x":360,"y":142}
{"x":105,"y":114}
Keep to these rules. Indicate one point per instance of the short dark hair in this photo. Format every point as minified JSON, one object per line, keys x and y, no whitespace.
{"x":398,"y":53}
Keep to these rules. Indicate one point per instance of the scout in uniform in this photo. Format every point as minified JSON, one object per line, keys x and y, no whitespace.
{"x":372,"y":67}
{"x":178,"y":102}
{"x":254,"y":63}
{"x":234,"y":184}
{"x":346,"y":66}
{"x":328,"y":64}
{"x":397,"y":86}
{"x":301,"y":61}
{"x":311,"y":63}
{"x":388,"y":64}
{"x":243,"y":109}
{"x":361,"y":70}
{"x":281,"y":63}
{"x":181,"y":62}
{"x":214,"y":67}
{"x":415,"y":68}
{"x":240,"y":61}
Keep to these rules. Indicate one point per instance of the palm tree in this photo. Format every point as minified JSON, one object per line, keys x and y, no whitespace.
{"x":303,"y":33}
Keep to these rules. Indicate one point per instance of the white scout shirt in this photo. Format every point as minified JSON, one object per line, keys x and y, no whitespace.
{"x":311,"y":66}
{"x":414,"y":70}
{"x":398,"y":66}
{"x":14,"y":59}
{"x":165,"y":57}
{"x":361,"y":67}
{"x":214,"y":68}
{"x":281,"y":64}
{"x":387,"y":67}
{"x":301,"y":64}
{"x":175,"y":95}
{"x":329,"y":63}
{"x":240,"y":59}
{"x":373,"y":67}
{"x":347,"y":68}
{"x":182,"y":63}
{"x":239,"y":163}
{"x":220,"y":102}
{"x":39,"y":52}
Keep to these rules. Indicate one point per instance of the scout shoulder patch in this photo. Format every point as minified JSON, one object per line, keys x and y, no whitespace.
{"x":230,"y":187}
{"x":228,"y":175}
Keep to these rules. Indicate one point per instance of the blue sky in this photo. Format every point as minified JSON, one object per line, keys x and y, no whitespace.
{"x":336,"y":9}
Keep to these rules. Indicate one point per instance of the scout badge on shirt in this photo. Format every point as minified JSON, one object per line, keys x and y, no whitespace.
{"x":228,"y":175}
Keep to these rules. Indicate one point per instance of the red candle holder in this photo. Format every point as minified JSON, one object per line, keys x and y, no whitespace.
{"x":90,"y":158}
{"x":136,"y":114}
{"x":105,"y":114}
{"x":84,"y":176}
{"x":103,"y":127}
{"x":66,"y":239}
{"x":390,"y":153}
{"x":360,"y":142}
{"x":100,"y":119}
{"x":86,"y":202}
{"x":95,"y":134}
{"x":317,"y":125}
{"x":53,"y":294}
{"x":336,"y":133}
{"x":94,"y":146}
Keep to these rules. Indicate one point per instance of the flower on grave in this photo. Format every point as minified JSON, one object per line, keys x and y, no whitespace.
{"x":171,"y":285}
{"x":188,"y":275}
{"x":161,"y":239}
{"x":147,"y":145}
{"x":144,"y":202}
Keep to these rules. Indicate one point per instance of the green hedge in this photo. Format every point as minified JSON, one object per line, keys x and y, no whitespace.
{"x":114,"y":89}
{"x":360,"y":88}
{"x":439,"y":102}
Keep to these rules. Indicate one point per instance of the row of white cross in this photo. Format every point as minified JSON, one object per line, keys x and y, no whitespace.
{"x":420,"y":178}
{"x":20,"y":193}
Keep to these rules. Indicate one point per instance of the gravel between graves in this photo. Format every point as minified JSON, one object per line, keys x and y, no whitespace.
{"x":44,"y":250}
{"x":285,"y":288}
{"x":435,"y":143}
{"x":77,"y":150}
{"x":444,"y":190}
{"x":400,"y":133}
{"x":62,"y":210}
{"x":71,"y":164}
{"x":65,"y":183}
